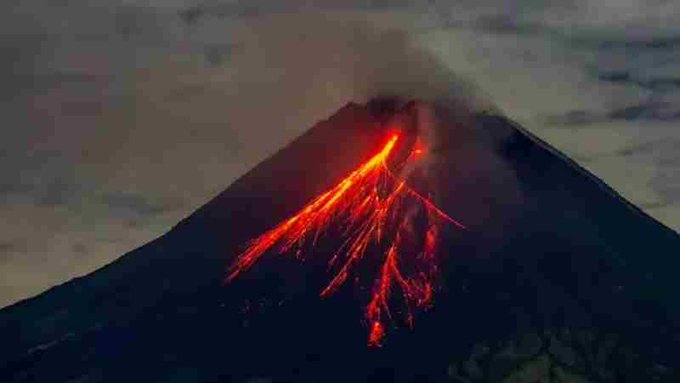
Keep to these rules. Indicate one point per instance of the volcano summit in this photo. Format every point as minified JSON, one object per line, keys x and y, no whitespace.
{"x":462,"y":247}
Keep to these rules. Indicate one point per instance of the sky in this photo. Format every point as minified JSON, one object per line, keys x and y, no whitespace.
{"x":122,"y":117}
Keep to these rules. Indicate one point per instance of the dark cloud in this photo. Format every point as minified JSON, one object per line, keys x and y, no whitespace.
{"x":660,"y":111}
{"x":664,"y":152}
{"x":643,"y":148}
{"x":6,"y":246}
{"x":667,"y":184}
{"x":575,"y":117}
{"x":18,"y":56}
{"x":661,"y":83}
{"x":8,"y":189}
{"x":616,"y":76}
{"x":632,"y":44}
{"x":9,"y":248}
{"x":665,"y":156}
{"x":130,"y":22}
{"x":58,"y":191}
{"x":192,"y":14}
{"x":196,"y":14}
{"x":656,"y":43}
{"x":649,"y":111}
{"x":45,"y":178}
{"x":652,"y":83}
{"x":48,"y":191}
{"x":138,"y":204}
{"x":506,"y":24}
{"x":217,"y":54}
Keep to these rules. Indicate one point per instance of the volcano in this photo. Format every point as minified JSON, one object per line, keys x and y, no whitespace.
{"x":396,"y":241}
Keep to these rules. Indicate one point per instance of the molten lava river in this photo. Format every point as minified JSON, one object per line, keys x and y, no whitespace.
{"x":376,"y":209}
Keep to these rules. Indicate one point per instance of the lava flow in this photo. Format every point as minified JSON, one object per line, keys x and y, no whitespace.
{"x":376,"y":209}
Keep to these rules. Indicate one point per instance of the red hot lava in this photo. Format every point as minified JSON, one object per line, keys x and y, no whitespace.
{"x":376,"y":209}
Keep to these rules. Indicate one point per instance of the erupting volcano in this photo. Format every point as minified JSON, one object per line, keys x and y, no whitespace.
{"x":377,"y":208}
{"x":367,"y":210}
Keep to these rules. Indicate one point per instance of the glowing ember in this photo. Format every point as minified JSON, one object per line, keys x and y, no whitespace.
{"x":377,"y":210}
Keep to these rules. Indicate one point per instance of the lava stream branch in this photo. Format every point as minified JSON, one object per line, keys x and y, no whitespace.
{"x":375,"y":209}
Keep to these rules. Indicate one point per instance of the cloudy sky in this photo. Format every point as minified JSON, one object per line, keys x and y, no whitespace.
{"x":121,"y":117}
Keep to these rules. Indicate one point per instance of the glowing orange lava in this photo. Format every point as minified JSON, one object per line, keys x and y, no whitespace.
{"x":377,"y":210}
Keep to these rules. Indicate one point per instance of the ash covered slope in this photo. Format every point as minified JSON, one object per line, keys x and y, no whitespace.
{"x":548,"y":246}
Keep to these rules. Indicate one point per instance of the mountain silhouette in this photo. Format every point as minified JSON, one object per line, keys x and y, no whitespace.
{"x":547,"y":249}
